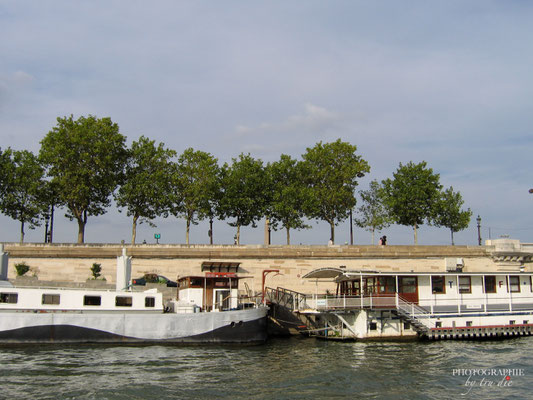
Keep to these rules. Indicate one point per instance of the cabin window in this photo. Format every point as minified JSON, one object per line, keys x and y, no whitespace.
{"x":438,"y":285}
{"x":406,"y":325}
{"x":370,"y":286}
{"x":438,"y":324}
{"x":373,"y":326}
{"x":468,"y":323}
{"x":10,"y":298}
{"x":407,"y":284}
{"x":387,"y":284}
{"x":465,"y":285}
{"x":123,"y":301}
{"x":52,"y":299}
{"x":514,"y":284}
{"x":92,"y":300}
{"x":149,"y":301}
{"x":490,"y":284}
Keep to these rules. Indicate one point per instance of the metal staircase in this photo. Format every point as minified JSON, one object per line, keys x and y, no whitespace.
{"x":417,"y":316}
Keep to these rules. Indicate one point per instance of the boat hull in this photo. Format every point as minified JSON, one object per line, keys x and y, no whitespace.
{"x":239,"y":326}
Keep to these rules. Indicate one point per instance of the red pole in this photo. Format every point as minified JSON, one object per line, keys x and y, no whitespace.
{"x":265,"y":273}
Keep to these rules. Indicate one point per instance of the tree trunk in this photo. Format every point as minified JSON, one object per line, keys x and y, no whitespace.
{"x":332,"y":237}
{"x":451,"y":230}
{"x":51,"y":232}
{"x":82,"y":221}
{"x":211,"y":231}
{"x":288,"y":235}
{"x":373,"y":234}
{"x":134,"y":229}
{"x":238,"y":234}
{"x":188,"y":229}
{"x":415,"y":228}
{"x":21,"y":232}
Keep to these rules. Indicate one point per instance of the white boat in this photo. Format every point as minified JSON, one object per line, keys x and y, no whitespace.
{"x":434,"y":305}
{"x":206,"y":310}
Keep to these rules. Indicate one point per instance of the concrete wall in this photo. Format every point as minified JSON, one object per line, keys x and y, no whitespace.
{"x":58,"y":262}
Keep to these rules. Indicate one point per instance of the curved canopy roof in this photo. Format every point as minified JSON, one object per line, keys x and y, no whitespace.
{"x":324,"y":273}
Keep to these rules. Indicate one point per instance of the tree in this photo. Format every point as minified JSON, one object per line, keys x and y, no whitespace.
{"x":85,"y":159}
{"x":146,"y":188}
{"x":196,"y":183}
{"x":331,"y":172}
{"x":6,"y":170}
{"x":288,"y":195}
{"x":22,"y":201}
{"x":411,"y":196}
{"x":244,"y":192}
{"x":373,"y":213}
{"x":448,"y":212}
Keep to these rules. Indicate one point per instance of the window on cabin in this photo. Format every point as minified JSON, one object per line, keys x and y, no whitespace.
{"x":149,"y":301}
{"x":490,"y":284}
{"x":514,"y":284}
{"x":10,"y":298}
{"x":465,"y":285}
{"x":92,"y":300}
{"x":373,"y":326}
{"x":438,"y":285}
{"x":51,"y":299}
{"x":123,"y":301}
{"x":407,"y":284}
{"x":387,"y":284}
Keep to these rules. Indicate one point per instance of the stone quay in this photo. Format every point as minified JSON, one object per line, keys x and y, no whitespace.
{"x":60,"y":264}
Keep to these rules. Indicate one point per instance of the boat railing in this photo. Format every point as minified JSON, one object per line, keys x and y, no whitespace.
{"x":290,"y":299}
{"x":332,"y":302}
{"x":477,"y":304}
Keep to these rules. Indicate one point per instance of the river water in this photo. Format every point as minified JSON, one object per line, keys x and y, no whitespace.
{"x":295,"y":368}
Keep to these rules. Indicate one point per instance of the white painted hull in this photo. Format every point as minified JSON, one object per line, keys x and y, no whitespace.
{"x":240,"y":326}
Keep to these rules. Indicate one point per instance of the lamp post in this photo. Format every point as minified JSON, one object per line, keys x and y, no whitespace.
{"x":478,"y":219}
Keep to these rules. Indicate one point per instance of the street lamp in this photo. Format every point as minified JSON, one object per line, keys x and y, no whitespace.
{"x":478,"y":219}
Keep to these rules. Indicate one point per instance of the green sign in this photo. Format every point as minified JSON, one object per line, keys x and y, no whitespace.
{"x":157,"y":236}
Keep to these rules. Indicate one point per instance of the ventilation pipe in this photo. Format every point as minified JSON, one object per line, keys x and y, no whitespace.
{"x":123,"y":271}
{"x":3,"y":263}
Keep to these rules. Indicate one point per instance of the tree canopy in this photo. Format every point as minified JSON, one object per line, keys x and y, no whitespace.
{"x":146,"y":187}
{"x":331,"y":172}
{"x":411,"y":196}
{"x":448,"y":212}
{"x":288,"y":195}
{"x":22,"y":198}
{"x":244,"y":192}
{"x":196,"y":182}
{"x":373,"y":215}
{"x":85,"y":160}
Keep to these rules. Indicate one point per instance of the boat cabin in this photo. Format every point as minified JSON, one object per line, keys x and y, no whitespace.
{"x":24,"y":299}
{"x":215,"y":291}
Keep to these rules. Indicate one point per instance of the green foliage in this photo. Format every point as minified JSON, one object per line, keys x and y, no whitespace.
{"x":245,"y":192}
{"x":196,"y":183}
{"x":22,"y":197}
{"x":85,"y":159}
{"x":95,"y":270}
{"x":373,"y":213}
{"x":22,"y":268}
{"x":412,"y":195}
{"x":331,"y":171}
{"x":146,"y":189}
{"x":288,"y":194}
{"x":448,"y":212}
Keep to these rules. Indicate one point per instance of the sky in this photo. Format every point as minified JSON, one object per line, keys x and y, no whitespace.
{"x":448,"y":83}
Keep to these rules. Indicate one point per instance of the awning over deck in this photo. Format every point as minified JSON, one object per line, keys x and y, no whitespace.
{"x":220,"y":266}
{"x":324,"y":273}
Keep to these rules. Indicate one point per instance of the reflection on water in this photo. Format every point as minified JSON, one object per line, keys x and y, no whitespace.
{"x":294,"y":368}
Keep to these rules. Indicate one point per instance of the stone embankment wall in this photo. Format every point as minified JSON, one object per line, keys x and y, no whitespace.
{"x":63,"y":262}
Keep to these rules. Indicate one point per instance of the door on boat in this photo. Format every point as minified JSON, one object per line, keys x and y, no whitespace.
{"x":222,"y":298}
{"x":408,"y":288}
